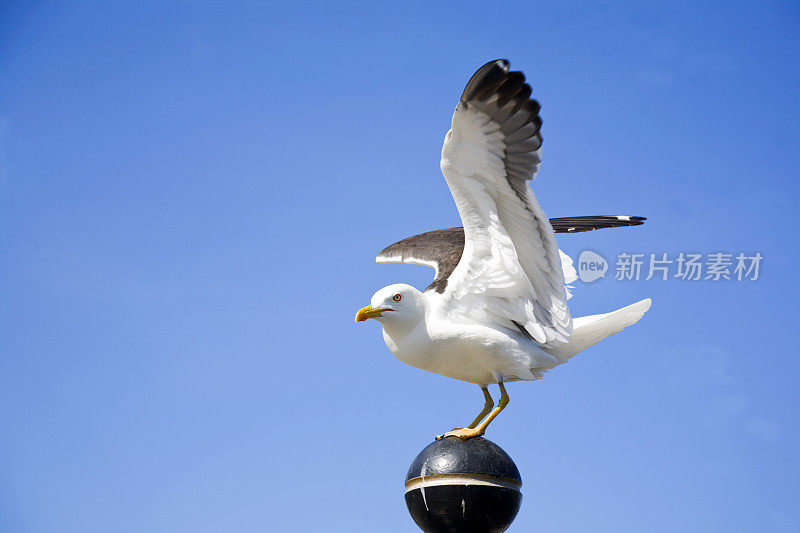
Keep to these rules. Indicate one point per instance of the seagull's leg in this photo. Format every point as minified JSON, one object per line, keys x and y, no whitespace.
{"x":501,"y":404}
{"x":487,"y":406}
{"x":468,"y":433}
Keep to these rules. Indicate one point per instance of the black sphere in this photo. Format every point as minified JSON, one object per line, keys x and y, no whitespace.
{"x":463,"y":486}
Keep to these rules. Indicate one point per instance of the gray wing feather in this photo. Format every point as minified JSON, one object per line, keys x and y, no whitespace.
{"x":442,"y":249}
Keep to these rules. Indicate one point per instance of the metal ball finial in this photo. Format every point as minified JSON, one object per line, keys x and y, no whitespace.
{"x":457,"y":485}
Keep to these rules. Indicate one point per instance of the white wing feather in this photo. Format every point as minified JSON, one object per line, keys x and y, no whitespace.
{"x":511,"y":270}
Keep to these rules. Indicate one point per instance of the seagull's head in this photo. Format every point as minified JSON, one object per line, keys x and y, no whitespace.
{"x":398,"y":304}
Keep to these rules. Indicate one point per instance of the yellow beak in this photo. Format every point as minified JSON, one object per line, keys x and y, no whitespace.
{"x":368,"y":312}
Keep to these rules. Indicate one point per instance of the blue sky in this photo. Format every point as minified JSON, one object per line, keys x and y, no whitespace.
{"x":191,"y":199}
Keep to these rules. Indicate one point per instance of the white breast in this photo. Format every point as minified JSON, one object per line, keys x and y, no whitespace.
{"x":468,"y":352}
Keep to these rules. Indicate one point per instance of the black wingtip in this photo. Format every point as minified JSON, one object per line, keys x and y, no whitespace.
{"x":588,"y":223}
{"x":486,"y":79}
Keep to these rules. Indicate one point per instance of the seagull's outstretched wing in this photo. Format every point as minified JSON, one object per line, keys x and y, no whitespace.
{"x":578,"y":224}
{"x":510,"y":271}
{"x":441,"y":249}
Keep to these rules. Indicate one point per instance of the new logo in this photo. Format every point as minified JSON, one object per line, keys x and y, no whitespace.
{"x":591,"y":266}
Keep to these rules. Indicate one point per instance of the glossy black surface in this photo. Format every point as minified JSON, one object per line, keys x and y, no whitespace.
{"x":472,"y":456}
{"x":459,"y":508}
{"x":463,"y":509}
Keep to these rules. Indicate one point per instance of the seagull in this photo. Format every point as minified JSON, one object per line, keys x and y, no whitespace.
{"x":496,"y":311}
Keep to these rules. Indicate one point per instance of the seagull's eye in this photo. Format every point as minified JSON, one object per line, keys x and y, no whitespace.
{"x":397,"y":297}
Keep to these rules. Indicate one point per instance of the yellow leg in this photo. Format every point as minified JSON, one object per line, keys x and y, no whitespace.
{"x":487,"y":406}
{"x":469,"y":432}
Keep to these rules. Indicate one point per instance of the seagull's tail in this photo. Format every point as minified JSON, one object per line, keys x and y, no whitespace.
{"x":589,"y":330}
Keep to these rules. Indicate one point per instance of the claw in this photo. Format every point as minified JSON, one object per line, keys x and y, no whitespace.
{"x":461,"y":433}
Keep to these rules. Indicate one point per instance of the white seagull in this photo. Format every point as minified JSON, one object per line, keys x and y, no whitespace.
{"x":497,"y":309}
